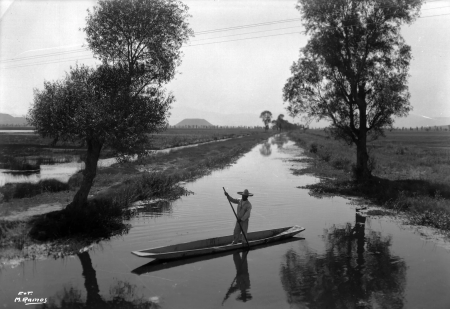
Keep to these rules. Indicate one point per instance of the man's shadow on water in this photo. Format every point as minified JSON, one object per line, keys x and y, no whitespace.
{"x":242,"y":280}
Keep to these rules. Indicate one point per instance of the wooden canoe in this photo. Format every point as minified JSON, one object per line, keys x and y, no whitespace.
{"x":157,"y":265}
{"x":217,"y":244}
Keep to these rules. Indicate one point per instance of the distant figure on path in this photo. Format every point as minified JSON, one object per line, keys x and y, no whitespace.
{"x":243,"y":214}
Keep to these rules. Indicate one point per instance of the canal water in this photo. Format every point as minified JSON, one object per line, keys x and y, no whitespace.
{"x":338,"y":262}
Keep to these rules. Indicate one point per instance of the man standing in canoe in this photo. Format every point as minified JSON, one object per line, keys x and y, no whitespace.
{"x":243,"y":214}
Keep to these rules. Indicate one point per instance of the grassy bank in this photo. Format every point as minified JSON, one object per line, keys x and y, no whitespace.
{"x":410,"y":169}
{"x":115,"y":189}
{"x":23,"y":144}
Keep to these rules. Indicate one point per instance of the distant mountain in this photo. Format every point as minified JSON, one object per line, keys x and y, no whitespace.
{"x":193,"y":122}
{"x":10,"y":120}
{"x":178,"y":113}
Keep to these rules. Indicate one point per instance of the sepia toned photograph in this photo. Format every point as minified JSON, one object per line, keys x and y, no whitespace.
{"x":225,"y":154}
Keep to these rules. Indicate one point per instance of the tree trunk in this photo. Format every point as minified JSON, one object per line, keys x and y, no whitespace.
{"x":89,"y":173}
{"x":362,"y":157}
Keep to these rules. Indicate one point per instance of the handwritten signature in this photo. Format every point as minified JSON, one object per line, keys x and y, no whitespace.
{"x":29,"y":300}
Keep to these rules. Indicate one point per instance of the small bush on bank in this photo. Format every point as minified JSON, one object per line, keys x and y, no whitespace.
{"x":28,"y":189}
{"x":12,"y":232}
{"x":76,"y":179}
{"x":18,"y":164}
{"x":341,"y":163}
{"x":53,"y":185}
{"x":437,"y":219}
{"x":313,"y":148}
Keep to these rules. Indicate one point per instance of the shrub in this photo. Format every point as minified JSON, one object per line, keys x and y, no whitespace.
{"x":18,"y":164}
{"x":12,"y":232}
{"x":325,"y":155}
{"x":341,"y":163}
{"x":28,"y":189}
{"x":53,"y":185}
{"x":76,"y":179}
{"x":313,"y":148}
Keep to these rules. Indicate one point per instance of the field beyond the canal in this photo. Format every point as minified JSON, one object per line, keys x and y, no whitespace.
{"x":27,"y":143}
{"x":411,"y":172}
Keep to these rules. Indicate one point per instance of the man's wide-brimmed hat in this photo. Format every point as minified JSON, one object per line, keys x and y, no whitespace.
{"x":245,"y":193}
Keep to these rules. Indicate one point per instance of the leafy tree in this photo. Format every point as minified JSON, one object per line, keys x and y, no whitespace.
{"x":266,"y":117}
{"x":93,"y":106}
{"x":142,"y":36}
{"x":280,"y":121}
{"x":274,"y":125}
{"x":354,"y":68}
{"x":120,"y":102}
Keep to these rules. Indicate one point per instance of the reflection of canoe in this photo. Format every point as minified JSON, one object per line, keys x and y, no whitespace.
{"x":217,"y":244}
{"x":157,"y":265}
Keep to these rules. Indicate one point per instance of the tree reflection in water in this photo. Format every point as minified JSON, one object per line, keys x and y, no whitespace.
{"x":266,"y":149}
{"x":242,"y":280}
{"x":356,"y":271}
{"x":122,"y":294}
{"x":280,"y":140}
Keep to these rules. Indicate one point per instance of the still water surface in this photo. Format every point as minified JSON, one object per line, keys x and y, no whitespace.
{"x":338,"y":264}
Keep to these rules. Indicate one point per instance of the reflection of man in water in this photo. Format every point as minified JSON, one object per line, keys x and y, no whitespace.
{"x":242,"y":280}
{"x":243,"y":214}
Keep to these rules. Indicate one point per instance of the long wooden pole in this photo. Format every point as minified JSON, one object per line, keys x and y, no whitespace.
{"x":238,"y":220}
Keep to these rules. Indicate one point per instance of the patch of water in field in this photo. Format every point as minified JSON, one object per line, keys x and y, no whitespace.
{"x":63,"y":171}
{"x":338,"y":263}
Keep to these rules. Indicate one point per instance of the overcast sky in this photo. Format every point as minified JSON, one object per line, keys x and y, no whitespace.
{"x":234,"y":71}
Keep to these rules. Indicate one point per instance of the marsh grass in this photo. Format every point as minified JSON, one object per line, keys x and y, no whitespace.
{"x":410,"y":173}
